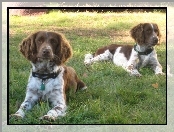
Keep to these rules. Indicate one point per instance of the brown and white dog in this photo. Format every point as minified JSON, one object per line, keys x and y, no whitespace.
{"x":131,"y":58}
{"x":49,"y":79}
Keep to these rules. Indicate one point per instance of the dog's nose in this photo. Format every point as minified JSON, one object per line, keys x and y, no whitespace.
{"x":46,"y":51}
{"x":155,"y":40}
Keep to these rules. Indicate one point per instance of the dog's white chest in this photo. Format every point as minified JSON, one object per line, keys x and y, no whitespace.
{"x":50,"y":85}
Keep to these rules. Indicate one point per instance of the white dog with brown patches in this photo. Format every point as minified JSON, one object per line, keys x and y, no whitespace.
{"x":131,"y":58}
{"x":49,"y":79}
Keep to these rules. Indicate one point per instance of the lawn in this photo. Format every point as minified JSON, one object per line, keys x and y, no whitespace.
{"x":112,"y":97}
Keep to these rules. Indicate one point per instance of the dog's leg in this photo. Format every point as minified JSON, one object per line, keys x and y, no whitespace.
{"x":132,"y":70}
{"x":156,"y":66}
{"x":30,"y":99}
{"x":57,"y":99}
{"x":158,"y":69}
{"x":56,"y":111}
{"x":88,"y":58}
{"x":81,"y":85}
{"x":133,"y":65}
{"x":101,"y":57}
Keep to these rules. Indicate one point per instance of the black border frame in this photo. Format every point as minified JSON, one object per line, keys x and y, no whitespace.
{"x":76,"y":9}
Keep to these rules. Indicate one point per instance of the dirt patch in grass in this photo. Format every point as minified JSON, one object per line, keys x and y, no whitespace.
{"x":113,"y":35}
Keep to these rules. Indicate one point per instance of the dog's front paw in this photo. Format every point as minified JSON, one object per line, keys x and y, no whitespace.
{"x":48,"y":118}
{"x":87,"y":62}
{"x":16,"y":116}
{"x":88,"y":58}
{"x":136,"y":75}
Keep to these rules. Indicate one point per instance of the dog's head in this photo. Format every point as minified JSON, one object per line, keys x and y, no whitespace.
{"x":43,"y":45}
{"x":146,"y":34}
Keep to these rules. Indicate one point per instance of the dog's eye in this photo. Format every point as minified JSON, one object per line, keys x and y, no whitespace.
{"x":53,"y":41}
{"x":148,"y":31}
{"x":40,"y":40}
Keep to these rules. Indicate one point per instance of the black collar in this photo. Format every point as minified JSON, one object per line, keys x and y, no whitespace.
{"x":148,"y":51}
{"x":45,"y":76}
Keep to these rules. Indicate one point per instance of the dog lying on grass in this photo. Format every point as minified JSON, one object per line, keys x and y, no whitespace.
{"x":50,"y":79}
{"x":131,"y":58}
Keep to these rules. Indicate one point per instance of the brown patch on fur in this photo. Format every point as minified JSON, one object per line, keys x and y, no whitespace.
{"x":71,"y":80}
{"x":156,"y":28}
{"x":111,"y":48}
{"x":28,"y":48}
{"x":137,"y":33}
{"x":32,"y":46}
{"x":126,"y":49}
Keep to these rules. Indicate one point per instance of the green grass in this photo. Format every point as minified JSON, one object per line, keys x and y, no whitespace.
{"x":112,"y":97}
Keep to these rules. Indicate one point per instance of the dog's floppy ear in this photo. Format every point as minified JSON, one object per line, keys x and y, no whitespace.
{"x":28,"y":47}
{"x":157,"y":32}
{"x":137,"y":33}
{"x":63,"y":50}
